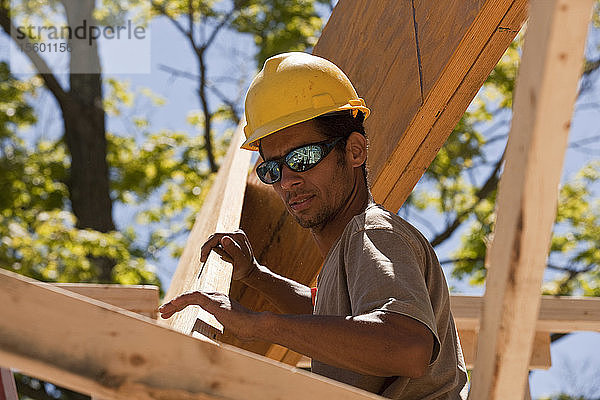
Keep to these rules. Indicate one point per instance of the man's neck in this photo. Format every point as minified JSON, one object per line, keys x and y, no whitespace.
{"x":357,"y":202}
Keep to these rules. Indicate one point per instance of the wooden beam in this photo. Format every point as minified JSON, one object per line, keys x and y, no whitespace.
{"x":459,"y":44}
{"x":95,"y":348}
{"x":557,"y":314}
{"x":544,"y":98}
{"x":140,"y":299}
{"x":432,"y":58}
{"x":540,"y":357}
{"x":220,"y":213}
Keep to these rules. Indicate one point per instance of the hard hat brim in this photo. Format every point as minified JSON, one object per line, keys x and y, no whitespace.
{"x":293,"y":119}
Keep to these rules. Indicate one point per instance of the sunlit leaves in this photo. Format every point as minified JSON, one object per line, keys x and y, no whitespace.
{"x":460,"y":187}
{"x":279,"y":25}
{"x":38,"y":236}
{"x":14,"y":110}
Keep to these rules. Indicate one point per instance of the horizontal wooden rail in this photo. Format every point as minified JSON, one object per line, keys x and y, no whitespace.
{"x":557,"y":314}
{"x":95,"y":348}
{"x":140,"y":299}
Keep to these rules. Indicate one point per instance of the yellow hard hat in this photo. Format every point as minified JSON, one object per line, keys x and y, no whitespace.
{"x":293,"y":88}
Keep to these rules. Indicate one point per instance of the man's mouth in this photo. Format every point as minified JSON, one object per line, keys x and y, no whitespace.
{"x":302,"y":202}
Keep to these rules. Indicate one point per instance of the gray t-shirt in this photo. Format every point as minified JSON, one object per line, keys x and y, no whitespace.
{"x":381,"y":262}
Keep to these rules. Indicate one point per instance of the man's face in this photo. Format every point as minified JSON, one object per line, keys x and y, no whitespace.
{"x":315,"y":196}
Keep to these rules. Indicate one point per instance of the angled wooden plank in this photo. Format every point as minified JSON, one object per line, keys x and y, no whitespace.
{"x":8,"y":388}
{"x":221,"y":212}
{"x":558,"y":314}
{"x":540,"y":354}
{"x":417,"y":91}
{"x":407,"y":127}
{"x":92,"y":347}
{"x":140,"y":299}
{"x":420,"y":143}
{"x":384,"y":68}
{"x":544,"y":97}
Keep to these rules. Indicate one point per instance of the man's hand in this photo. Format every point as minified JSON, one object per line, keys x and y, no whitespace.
{"x":233,"y":316}
{"x":233,"y":247}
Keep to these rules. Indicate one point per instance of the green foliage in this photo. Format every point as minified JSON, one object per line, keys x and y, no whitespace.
{"x":15,"y":113}
{"x":575,"y":240}
{"x":168,"y":164}
{"x":162,"y":174}
{"x":460,"y":186}
{"x":275,"y":25}
{"x":279,"y":25}
{"x":38,"y":237}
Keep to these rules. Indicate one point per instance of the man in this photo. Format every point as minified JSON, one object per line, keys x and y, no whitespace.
{"x":381,"y":319}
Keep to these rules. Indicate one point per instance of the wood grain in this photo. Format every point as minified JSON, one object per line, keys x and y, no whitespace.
{"x":95,"y":348}
{"x":140,"y":299}
{"x":220,"y":213}
{"x":540,"y":354}
{"x":527,"y":197}
{"x":557,"y":314}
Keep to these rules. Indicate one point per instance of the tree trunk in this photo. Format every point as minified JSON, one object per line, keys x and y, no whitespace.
{"x":84,"y":123}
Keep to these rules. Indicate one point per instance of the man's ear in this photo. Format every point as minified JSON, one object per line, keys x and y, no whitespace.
{"x":356,"y":149}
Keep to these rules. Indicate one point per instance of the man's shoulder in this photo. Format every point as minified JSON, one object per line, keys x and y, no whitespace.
{"x":377,"y":217}
{"x":391,"y":229}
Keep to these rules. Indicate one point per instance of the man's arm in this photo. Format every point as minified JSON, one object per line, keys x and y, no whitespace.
{"x":378,"y":343}
{"x":288,"y":296}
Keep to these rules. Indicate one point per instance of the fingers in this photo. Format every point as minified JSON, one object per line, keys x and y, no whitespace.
{"x":233,"y":248}
{"x":223,"y":254}
{"x":215,"y":242}
{"x":181,"y":302}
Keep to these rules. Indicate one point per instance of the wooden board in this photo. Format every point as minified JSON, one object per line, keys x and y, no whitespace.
{"x":526,"y":207}
{"x":92,"y":347}
{"x":415,"y":107}
{"x":540,"y":355}
{"x":220,"y":213}
{"x":557,"y":314}
{"x":432,"y":58}
{"x":140,"y":299}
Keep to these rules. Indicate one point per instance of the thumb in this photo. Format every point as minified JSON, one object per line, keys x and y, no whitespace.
{"x":233,"y":249}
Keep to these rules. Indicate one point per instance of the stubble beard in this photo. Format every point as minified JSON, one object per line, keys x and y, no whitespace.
{"x":328,"y":212}
{"x":318,"y":221}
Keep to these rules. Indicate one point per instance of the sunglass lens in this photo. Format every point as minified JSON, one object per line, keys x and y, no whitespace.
{"x":269,"y":172}
{"x":304,"y":158}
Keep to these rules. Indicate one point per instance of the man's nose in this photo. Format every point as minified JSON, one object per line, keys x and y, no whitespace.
{"x":289,"y":178}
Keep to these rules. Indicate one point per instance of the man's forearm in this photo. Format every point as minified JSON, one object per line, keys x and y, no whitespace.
{"x":381,"y":344}
{"x":288,"y":296}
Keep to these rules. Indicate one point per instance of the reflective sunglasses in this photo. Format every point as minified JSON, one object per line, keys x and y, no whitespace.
{"x":300,"y":159}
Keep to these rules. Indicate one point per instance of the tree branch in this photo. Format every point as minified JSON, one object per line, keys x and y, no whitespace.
{"x":490,"y":184}
{"x":161,"y":9}
{"x":178,"y":72}
{"x":455,"y":260}
{"x":220,"y":26}
{"x":571,"y":271}
{"x":591,"y":66}
{"x":229,"y":103}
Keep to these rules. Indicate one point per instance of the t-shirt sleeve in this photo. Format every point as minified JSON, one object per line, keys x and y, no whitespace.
{"x":384,"y":272}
